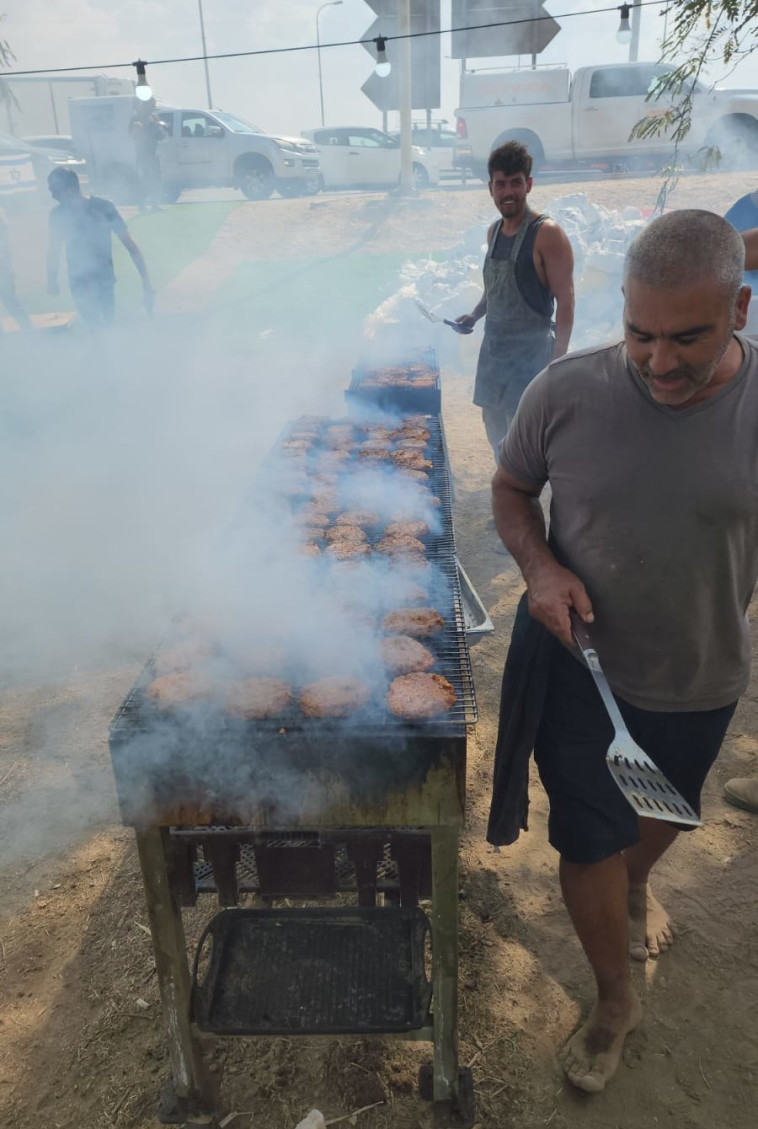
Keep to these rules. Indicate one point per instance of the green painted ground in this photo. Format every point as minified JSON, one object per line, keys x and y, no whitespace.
{"x":169,"y":240}
{"x":312,"y":297}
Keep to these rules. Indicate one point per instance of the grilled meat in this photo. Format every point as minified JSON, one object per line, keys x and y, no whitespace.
{"x":348,"y":550}
{"x":407,"y":529}
{"x":417,"y":696}
{"x":258,"y":698}
{"x":400,"y":545}
{"x":403,"y":655}
{"x":357,"y":517}
{"x":334,"y":697}
{"x":416,"y":622}
{"x":184,"y":689}
{"x":345,"y":533}
{"x":412,"y":460}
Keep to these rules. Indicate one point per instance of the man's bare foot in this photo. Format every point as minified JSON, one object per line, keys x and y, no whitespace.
{"x":592,"y":1054}
{"x":650,"y":928}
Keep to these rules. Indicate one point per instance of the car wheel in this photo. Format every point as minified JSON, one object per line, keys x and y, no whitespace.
{"x":255,"y":180}
{"x":420,"y":176}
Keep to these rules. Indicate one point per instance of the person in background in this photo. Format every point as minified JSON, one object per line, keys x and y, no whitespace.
{"x":744,"y":216}
{"x":147,"y":132}
{"x":8,"y":295}
{"x":528,"y":275}
{"x":750,"y":239}
{"x":85,"y":224}
{"x":650,"y":446}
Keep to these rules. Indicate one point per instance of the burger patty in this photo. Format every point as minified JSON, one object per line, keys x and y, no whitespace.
{"x":407,"y":529}
{"x":179,"y":689}
{"x":347,"y":550}
{"x":334,"y":697}
{"x":403,"y":655}
{"x":417,"y":696}
{"x":413,"y":460}
{"x":309,"y":549}
{"x":400,"y":545}
{"x":416,"y":622}
{"x":256,"y":698}
{"x":357,"y":517}
{"x":345,"y":533}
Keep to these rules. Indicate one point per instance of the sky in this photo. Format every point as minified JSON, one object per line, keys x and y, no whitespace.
{"x":280,"y":93}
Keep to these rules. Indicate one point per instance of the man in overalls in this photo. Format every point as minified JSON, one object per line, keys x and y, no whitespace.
{"x":528,"y":275}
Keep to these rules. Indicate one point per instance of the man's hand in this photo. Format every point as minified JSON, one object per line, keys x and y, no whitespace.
{"x":552,"y":590}
{"x":53,"y":287}
{"x":468,"y":321}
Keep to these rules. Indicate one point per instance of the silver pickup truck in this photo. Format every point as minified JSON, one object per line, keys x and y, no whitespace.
{"x":201,"y":149}
{"x":589,"y":117}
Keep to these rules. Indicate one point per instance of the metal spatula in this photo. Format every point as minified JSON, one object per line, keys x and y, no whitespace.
{"x":442,"y":321}
{"x":639,"y":778}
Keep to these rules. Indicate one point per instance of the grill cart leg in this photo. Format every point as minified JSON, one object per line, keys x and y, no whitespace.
{"x":453,"y":1098}
{"x":192,"y":1085}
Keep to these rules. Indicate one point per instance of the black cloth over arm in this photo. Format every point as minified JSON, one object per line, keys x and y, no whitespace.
{"x":522,"y":696}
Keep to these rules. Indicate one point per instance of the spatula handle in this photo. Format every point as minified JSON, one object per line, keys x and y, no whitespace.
{"x":579,"y":631}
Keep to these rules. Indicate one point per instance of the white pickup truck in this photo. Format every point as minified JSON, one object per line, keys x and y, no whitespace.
{"x":589,"y":118}
{"x":201,"y":149}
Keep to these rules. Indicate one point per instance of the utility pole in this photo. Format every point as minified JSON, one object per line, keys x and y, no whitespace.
{"x":205,"y":55}
{"x":407,"y":181}
{"x":634,"y":45}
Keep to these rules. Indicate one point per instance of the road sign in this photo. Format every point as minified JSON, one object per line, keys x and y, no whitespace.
{"x":425,"y":56}
{"x":530,"y":36}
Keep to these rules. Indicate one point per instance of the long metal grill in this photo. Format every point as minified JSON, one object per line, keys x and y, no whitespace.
{"x":449,"y":646}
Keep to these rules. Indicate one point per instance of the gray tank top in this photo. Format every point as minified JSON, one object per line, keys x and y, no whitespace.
{"x":531,"y":289}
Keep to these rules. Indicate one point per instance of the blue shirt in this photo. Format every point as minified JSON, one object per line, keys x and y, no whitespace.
{"x":743,"y":215}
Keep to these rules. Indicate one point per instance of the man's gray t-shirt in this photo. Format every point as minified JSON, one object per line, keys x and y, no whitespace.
{"x":656,"y":511}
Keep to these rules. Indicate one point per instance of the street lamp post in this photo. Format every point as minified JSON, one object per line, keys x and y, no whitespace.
{"x":330,"y":4}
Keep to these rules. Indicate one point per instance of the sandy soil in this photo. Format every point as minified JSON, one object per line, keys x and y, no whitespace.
{"x":81,"y":1044}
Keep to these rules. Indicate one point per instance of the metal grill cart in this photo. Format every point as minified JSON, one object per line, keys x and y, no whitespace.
{"x":412,"y":385}
{"x":374,"y":805}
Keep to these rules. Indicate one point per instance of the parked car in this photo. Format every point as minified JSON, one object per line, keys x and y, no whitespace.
{"x":440,"y":142}
{"x":24,"y":168}
{"x":201,"y":149}
{"x":362,"y":157}
{"x":61,"y":142}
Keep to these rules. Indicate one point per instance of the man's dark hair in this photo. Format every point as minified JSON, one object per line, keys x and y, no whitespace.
{"x":511,"y":159}
{"x":62,"y":179}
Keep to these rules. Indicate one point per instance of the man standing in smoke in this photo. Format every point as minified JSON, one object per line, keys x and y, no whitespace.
{"x":85,"y":225}
{"x":528,"y":276}
{"x":147,"y":132}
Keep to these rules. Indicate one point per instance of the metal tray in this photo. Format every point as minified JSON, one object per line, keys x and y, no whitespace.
{"x":476,"y":620}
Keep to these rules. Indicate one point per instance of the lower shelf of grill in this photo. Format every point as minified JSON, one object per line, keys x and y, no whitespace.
{"x":312,"y":972}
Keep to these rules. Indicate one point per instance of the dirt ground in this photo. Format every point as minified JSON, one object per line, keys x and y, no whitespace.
{"x":81,"y":1042}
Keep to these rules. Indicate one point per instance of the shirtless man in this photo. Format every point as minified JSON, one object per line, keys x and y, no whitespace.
{"x":651,"y":449}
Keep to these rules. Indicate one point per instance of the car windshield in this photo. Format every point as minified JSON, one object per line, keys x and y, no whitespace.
{"x":237,"y":125}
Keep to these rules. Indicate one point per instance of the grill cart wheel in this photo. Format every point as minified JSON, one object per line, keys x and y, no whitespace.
{"x":458,"y":1114}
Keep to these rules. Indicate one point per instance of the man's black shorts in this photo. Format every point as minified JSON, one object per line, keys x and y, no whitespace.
{"x":589,"y":818}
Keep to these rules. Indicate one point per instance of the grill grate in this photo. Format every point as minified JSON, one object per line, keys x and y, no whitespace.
{"x":400,"y":397}
{"x":313,"y":971}
{"x":137,"y":714}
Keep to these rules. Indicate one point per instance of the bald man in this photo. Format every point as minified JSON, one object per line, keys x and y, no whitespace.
{"x":650,"y":447}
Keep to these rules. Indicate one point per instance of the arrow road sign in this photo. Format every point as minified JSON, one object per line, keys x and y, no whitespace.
{"x":425,"y":56}
{"x":517,"y":38}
